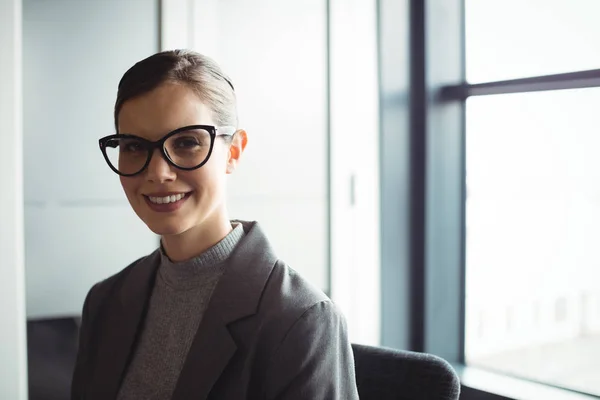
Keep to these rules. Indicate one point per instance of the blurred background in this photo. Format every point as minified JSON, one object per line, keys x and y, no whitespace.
{"x":430,"y":165}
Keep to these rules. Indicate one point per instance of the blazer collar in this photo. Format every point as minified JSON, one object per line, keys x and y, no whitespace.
{"x":236,"y":296}
{"x":240,"y":288}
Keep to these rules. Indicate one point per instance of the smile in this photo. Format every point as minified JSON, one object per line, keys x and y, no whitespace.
{"x":166,"y":202}
{"x":167,"y":199}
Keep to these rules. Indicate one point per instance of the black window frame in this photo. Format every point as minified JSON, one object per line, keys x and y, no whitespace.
{"x":423,"y":91}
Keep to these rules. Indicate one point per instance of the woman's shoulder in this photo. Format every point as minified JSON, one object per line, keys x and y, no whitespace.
{"x":291,"y":303}
{"x":289,"y":295}
{"x":293,"y":285}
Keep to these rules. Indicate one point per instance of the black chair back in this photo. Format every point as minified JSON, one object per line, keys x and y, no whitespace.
{"x":386,"y":374}
{"x":51,"y":353}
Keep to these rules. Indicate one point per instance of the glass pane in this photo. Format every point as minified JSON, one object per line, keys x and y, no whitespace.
{"x":533,"y":232}
{"x":508,"y":39}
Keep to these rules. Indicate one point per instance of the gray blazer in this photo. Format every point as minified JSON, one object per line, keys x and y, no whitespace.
{"x":266,"y":334}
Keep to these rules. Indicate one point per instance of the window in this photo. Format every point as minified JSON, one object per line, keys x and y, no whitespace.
{"x":532,"y":226}
{"x":490,"y":191}
{"x":519,"y":38}
{"x":532,"y":217}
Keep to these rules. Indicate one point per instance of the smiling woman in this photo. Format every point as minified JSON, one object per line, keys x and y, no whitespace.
{"x":213,"y":311}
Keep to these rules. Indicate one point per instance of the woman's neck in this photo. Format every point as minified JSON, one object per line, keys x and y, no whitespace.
{"x":196,"y":240}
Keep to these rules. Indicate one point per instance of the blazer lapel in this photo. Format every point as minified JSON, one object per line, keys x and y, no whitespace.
{"x":236,"y":296}
{"x":210,"y":353}
{"x":121,"y":320}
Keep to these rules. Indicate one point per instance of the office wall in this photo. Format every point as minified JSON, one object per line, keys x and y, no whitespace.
{"x":79,"y":228}
{"x":354,"y":166}
{"x":13,"y":365}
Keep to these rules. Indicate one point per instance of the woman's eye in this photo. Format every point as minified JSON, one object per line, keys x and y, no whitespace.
{"x":131,"y":147}
{"x":187,"y":143}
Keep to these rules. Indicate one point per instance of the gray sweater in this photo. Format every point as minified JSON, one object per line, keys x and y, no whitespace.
{"x":180,"y":296}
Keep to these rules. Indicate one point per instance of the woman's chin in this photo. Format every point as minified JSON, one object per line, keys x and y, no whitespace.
{"x":165,"y":229}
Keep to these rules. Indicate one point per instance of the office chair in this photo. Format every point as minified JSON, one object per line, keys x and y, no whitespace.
{"x":386,"y":374}
{"x":51,"y":351}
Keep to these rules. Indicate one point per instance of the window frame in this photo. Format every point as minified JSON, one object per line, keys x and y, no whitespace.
{"x":423,"y":185}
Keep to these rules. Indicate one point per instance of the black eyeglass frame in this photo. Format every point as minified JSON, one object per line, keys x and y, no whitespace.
{"x":160,"y":144}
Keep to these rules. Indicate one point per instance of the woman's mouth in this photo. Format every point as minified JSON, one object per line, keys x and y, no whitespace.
{"x":166,"y":199}
{"x":168,"y":202}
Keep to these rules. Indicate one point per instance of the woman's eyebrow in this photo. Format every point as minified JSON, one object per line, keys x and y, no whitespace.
{"x":139,"y":136}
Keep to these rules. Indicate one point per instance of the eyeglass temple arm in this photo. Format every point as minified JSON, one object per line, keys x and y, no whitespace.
{"x":225,"y":130}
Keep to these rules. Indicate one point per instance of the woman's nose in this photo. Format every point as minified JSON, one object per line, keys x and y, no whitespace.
{"x":159,"y":170}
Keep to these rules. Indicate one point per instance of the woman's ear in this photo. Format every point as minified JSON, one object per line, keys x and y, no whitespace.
{"x":236,"y":148}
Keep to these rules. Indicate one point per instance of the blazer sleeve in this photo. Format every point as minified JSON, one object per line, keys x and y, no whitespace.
{"x":81,"y":362}
{"x":314,"y":360}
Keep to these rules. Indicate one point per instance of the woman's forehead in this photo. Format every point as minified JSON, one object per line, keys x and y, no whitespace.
{"x":166,"y":108}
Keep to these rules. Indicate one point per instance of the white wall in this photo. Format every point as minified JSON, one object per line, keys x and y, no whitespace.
{"x":355,"y":219}
{"x":79,"y":228}
{"x":279,"y":69}
{"x":13,"y":367}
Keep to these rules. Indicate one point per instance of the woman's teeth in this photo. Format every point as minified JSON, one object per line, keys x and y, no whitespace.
{"x":167,"y":199}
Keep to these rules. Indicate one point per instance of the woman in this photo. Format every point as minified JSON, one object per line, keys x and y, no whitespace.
{"x":212,"y":313}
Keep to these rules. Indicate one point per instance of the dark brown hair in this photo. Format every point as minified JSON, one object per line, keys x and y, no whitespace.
{"x":200,"y":73}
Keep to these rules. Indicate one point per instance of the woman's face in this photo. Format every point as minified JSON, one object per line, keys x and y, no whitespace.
{"x":153,"y":115}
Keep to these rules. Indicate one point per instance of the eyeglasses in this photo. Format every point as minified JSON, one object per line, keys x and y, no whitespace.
{"x":186,"y":148}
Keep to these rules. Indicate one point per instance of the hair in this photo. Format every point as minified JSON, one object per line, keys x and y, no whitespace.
{"x":198,"y":72}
